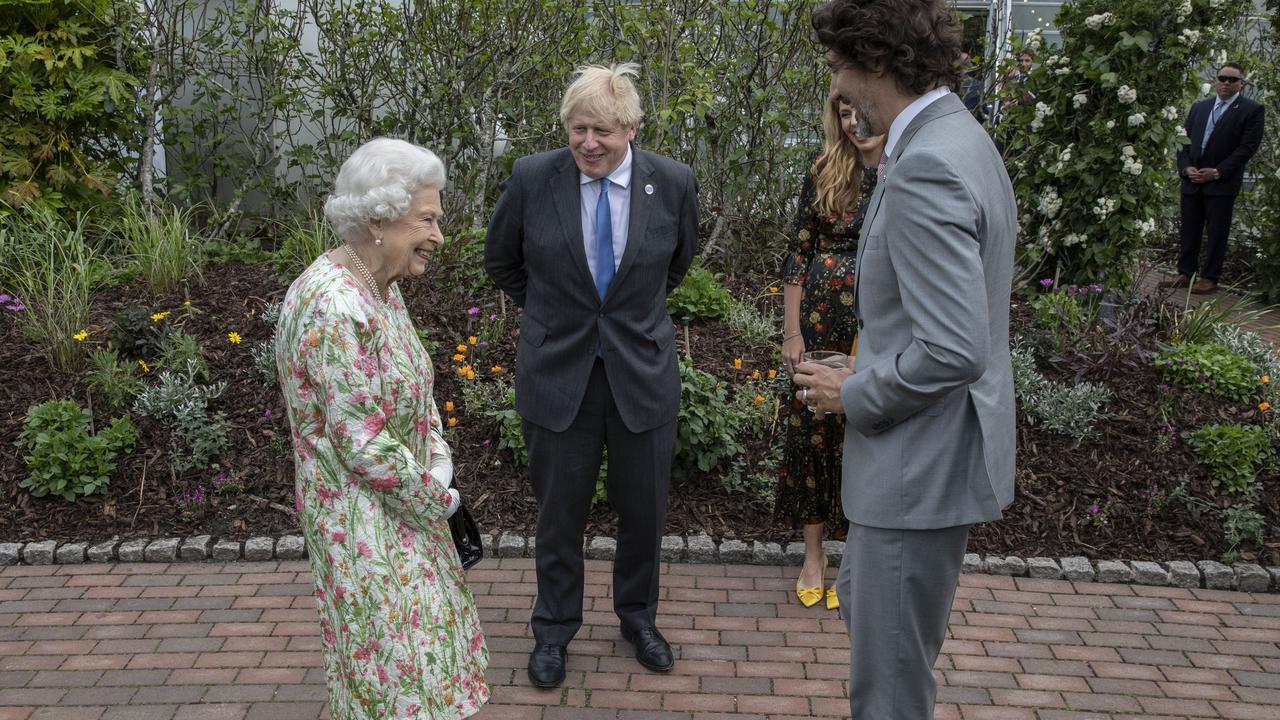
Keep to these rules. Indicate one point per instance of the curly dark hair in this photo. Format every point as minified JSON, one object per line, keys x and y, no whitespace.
{"x":915,"y":41}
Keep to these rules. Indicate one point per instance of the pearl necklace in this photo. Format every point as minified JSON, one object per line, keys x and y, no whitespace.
{"x":364,"y":272}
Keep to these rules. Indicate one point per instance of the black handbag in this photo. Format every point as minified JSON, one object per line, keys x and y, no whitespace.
{"x":466,"y":536}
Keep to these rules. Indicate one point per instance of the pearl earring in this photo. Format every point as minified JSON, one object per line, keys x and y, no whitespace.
{"x":377,"y":241}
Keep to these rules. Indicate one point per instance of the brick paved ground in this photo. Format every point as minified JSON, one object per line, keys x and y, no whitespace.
{"x":210,"y":641}
{"x":1266,"y":324}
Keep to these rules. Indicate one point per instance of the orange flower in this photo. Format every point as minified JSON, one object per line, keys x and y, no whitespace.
{"x":453,"y":421}
{"x":461,"y":348}
{"x":773,"y":289}
{"x":1264,"y":406}
{"x":759,"y":399}
{"x":464,"y":370}
{"x":473,"y":340}
{"x":773,"y":374}
{"x":755,"y":375}
{"x":496,"y":369}
{"x":448,"y":406}
{"x":459,"y":357}
{"x":1266,"y":379}
{"x":737,"y":363}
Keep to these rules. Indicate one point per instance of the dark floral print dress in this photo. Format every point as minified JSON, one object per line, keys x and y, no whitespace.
{"x":820,"y":257}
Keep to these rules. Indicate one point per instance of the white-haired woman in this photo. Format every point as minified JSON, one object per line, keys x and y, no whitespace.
{"x":401,"y":635}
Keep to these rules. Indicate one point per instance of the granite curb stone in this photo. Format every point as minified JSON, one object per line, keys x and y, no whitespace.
{"x":1210,"y":574}
{"x":1183,"y":574}
{"x":70,"y":553}
{"x":103,"y":552}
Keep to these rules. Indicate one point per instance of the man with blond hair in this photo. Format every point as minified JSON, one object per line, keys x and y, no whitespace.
{"x":588,"y":240}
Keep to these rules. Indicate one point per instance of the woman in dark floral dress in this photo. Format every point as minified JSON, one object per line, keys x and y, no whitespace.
{"x":818,"y":277}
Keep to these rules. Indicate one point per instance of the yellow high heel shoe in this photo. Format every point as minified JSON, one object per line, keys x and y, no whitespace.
{"x":809,"y":596}
{"x":833,"y":600}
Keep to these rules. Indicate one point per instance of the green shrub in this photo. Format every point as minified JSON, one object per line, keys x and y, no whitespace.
{"x":45,"y":261}
{"x":699,"y":297}
{"x":1232,"y":452}
{"x":754,"y":406}
{"x":1240,"y":523}
{"x":137,"y":333}
{"x":1211,"y":368}
{"x":497,"y":400}
{"x":1070,"y":410}
{"x":113,"y":381}
{"x":64,"y":457}
{"x":1067,"y":314}
{"x":159,"y":243}
{"x":68,"y":102}
{"x":180,"y":350}
{"x":707,"y":428}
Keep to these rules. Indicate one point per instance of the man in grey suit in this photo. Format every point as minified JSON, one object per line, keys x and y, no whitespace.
{"x":929,"y":431}
{"x":589,"y":240}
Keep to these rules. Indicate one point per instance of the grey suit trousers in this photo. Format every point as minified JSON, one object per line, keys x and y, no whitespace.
{"x":896,"y":613}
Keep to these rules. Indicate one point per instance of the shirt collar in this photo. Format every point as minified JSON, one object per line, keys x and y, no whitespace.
{"x":908,"y":114}
{"x":621,"y":175}
{"x":1228,"y":101}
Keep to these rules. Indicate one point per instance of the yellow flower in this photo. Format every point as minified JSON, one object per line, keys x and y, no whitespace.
{"x":143,"y":364}
{"x":186,"y":302}
{"x":759,"y":399}
{"x":448,"y":406}
{"x":453,"y":421}
{"x":459,"y":357}
{"x":464,"y":370}
{"x":473,"y":340}
{"x":496,"y":369}
{"x":773,"y":289}
{"x":461,"y":348}
{"x":233,"y":338}
{"x":1264,"y":406}
{"x":773,"y":374}
{"x":755,"y":375}
{"x":157,"y":317}
{"x":80,"y":336}
{"x":737,"y":363}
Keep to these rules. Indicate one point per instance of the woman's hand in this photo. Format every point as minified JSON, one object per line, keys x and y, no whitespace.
{"x":792,"y":349}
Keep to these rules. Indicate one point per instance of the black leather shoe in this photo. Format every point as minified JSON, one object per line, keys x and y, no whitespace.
{"x":546,"y":665}
{"x":652,"y":649}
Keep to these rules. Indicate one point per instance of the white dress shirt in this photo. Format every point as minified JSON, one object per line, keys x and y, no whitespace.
{"x":619,"y":211}
{"x":908,"y":114}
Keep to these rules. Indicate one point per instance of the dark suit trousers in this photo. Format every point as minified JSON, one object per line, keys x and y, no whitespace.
{"x":896,"y":589}
{"x":1198,"y":210}
{"x":563,"y":467}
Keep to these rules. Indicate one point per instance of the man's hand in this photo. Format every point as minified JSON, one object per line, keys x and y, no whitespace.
{"x":820,"y":387}
{"x":1202,"y":175}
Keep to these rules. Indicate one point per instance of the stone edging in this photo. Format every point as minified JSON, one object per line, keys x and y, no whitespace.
{"x":1210,"y":574}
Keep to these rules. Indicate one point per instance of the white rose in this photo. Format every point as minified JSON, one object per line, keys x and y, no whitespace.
{"x":1137,"y":119}
{"x":1126,"y":94}
{"x":1079,"y":101}
{"x":1127,"y":151}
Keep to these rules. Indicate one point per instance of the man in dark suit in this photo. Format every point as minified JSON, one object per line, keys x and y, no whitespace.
{"x":1223,"y":133}
{"x":589,"y":239}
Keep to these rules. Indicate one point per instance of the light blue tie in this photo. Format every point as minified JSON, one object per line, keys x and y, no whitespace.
{"x":1218,"y":107}
{"x":604,"y":241}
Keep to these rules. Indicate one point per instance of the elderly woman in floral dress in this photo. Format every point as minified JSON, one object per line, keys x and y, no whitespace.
{"x":401,"y":635}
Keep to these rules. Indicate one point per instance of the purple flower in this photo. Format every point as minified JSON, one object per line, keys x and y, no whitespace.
{"x":1072,"y":289}
{"x":493,"y":316}
{"x":266,"y":413}
{"x":1163,"y":387}
{"x":16,"y":306}
{"x":486,"y":442}
{"x":473,"y":311}
{"x":4,"y":298}
{"x":1046,"y":282}
{"x":1096,"y":287}
{"x":1093,"y":509}
{"x":1201,"y":377}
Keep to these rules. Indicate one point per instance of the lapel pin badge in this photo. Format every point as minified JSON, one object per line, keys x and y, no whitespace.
{"x":648,"y":189}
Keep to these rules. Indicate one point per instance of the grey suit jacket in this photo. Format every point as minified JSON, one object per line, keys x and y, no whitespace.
{"x":929,"y":438}
{"x":534,"y":252}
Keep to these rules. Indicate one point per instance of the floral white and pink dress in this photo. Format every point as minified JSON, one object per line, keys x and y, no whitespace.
{"x":401,"y":634}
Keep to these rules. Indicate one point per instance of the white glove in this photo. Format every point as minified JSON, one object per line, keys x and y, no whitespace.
{"x":442,"y":470}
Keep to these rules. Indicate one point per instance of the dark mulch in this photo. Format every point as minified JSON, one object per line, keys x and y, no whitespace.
{"x":1120,"y":469}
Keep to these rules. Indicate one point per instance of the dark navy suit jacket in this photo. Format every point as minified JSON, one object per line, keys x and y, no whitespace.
{"x":1235,"y":139}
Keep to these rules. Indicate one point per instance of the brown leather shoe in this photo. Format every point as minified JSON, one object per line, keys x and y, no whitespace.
{"x":1204,"y":286}
{"x":1174,"y":281}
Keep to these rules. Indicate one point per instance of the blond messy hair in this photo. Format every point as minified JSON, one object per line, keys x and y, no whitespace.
{"x":606,"y":92}
{"x":837,"y":173}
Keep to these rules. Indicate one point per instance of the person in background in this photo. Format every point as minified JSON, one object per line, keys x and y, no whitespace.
{"x":818,"y":278}
{"x":1223,"y":132}
{"x":400,"y":632}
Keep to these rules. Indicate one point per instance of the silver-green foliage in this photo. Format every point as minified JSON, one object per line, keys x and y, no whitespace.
{"x":1070,"y":410}
{"x":111,"y":380}
{"x":752,"y":327}
{"x":264,"y":357}
{"x":179,"y":401}
{"x":1249,"y":344}
{"x":179,"y":349}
